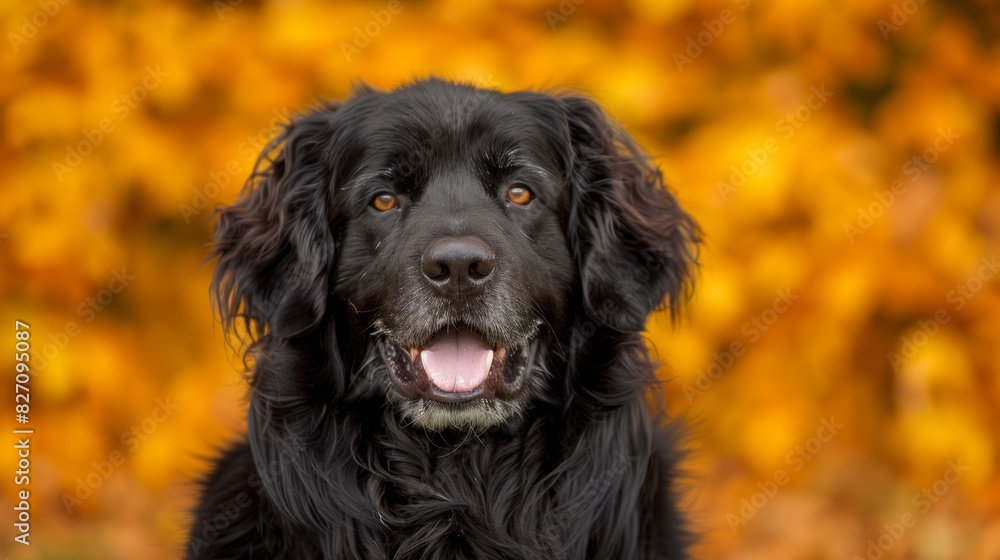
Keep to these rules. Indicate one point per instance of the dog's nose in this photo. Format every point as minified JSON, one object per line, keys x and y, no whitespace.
{"x":458,"y":266}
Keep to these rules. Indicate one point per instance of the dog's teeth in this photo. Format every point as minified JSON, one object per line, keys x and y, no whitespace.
{"x":414,"y":353}
{"x":501,"y":352}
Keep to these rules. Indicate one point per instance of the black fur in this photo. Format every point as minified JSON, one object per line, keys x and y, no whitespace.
{"x":570,"y":462}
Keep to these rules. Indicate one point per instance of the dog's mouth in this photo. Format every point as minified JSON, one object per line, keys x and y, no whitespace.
{"x":457,"y":364}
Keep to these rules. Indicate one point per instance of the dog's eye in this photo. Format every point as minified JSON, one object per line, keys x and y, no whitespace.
{"x":384,"y":202}
{"x":519,"y":195}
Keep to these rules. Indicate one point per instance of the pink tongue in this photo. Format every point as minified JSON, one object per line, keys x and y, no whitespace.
{"x":457,"y":361}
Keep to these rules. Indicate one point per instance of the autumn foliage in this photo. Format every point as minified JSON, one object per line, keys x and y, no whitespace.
{"x":838,"y":367}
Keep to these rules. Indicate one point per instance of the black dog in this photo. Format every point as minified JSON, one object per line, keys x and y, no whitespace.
{"x":443,"y":289}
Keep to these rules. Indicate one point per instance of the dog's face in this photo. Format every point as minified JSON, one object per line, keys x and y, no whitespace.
{"x":453,"y":250}
{"x":441,"y":243}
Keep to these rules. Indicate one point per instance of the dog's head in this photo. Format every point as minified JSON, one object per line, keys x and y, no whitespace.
{"x":439,"y":247}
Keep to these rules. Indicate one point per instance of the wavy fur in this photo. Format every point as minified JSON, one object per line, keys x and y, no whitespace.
{"x":579,"y":467}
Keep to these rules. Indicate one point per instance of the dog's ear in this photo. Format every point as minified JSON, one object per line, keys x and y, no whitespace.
{"x":635,"y":247}
{"x":274,"y":245}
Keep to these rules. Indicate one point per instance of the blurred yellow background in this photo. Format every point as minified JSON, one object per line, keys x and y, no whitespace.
{"x":839,"y":367}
